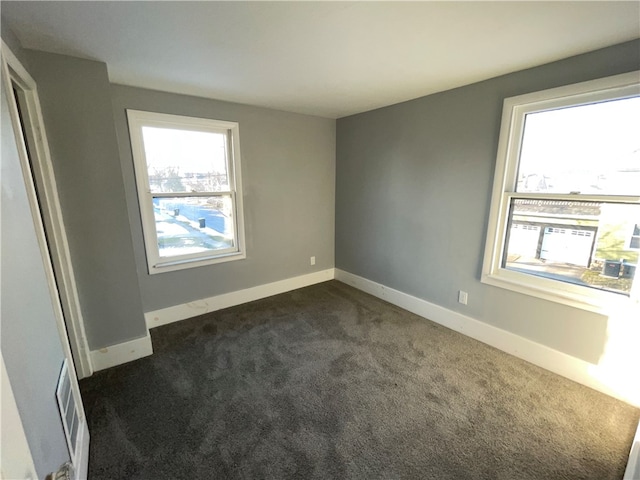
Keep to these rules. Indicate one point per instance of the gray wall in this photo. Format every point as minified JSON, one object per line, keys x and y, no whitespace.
{"x":413,"y":193}
{"x":288,"y":174}
{"x":76,"y":104}
{"x":12,"y":41}
{"x":288,"y":166}
{"x":30,"y":342}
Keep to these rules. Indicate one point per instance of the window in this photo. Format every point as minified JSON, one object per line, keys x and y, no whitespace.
{"x":634,"y":241}
{"x":189,"y":189}
{"x":567,"y":193}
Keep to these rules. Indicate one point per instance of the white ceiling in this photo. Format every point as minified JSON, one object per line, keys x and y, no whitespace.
{"x":322,"y":58}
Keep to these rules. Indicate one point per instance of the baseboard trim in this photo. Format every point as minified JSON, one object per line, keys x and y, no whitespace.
{"x":121,"y":353}
{"x":553,"y":360}
{"x":176,"y":313}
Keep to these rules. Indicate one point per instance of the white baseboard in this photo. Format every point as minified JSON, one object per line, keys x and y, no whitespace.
{"x":553,"y":360}
{"x":121,"y":353}
{"x":175,"y":313}
{"x":545,"y":357}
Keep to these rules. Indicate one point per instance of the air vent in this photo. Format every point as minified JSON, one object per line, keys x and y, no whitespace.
{"x":68,"y":411}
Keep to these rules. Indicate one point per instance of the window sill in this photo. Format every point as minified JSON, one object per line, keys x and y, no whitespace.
{"x":584,"y":298}
{"x":170,"y":266}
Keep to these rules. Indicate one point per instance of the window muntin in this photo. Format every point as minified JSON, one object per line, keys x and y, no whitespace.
{"x":189,"y":189}
{"x":543,"y":160}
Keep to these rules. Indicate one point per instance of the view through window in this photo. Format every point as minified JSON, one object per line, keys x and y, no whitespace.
{"x":571,"y":192}
{"x":188,"y":162}
{"x":583,"y":243}
{"x":186,"y":173}
{"x":587,"y":149}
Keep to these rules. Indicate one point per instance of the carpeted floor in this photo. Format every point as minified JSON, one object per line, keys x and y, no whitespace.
{"x":327,"y":382}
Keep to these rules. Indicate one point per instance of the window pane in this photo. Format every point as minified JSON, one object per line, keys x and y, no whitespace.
{"x":584,"y":243}
{"x":187,"y":225}
{"x":185,"y":160}
{"x":591,"y":149}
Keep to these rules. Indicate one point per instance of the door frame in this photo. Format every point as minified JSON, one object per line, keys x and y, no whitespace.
{"x":51,"y":212}
{"x":45,"y":210}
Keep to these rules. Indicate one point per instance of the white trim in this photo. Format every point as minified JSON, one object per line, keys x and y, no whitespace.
{"x":120,"y":353}
{"x":79,"y":452}
{"x":167,"y":315}
{"x":64,"y":404}
{"x":82,"y":468}
{"x":633,"y":465}
{"x":540,"y":355}
{"x":57,"y":296}
{"x":504,"y":187}
{"x":138,"y":119}
{"x":50,"y":204}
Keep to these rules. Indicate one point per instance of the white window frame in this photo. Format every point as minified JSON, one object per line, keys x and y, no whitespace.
{"x":156,"y":264}
{"x":504,"y":190}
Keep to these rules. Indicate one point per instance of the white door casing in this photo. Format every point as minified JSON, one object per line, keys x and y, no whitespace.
{"x":15,"y":76}
{"x":49,"y":203}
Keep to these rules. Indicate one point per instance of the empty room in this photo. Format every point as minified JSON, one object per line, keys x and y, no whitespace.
{"x":320,"y":240}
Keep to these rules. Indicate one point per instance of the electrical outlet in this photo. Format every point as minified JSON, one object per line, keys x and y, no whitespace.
{"x":312,"y":260}
{"x":463,"y":297}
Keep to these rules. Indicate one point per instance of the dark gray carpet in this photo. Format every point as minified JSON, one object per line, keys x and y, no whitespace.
{"x":328,"y":382}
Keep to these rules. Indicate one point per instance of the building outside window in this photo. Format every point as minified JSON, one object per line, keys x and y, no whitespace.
{"x":567,"y":194}
{"x":634,"y":241}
